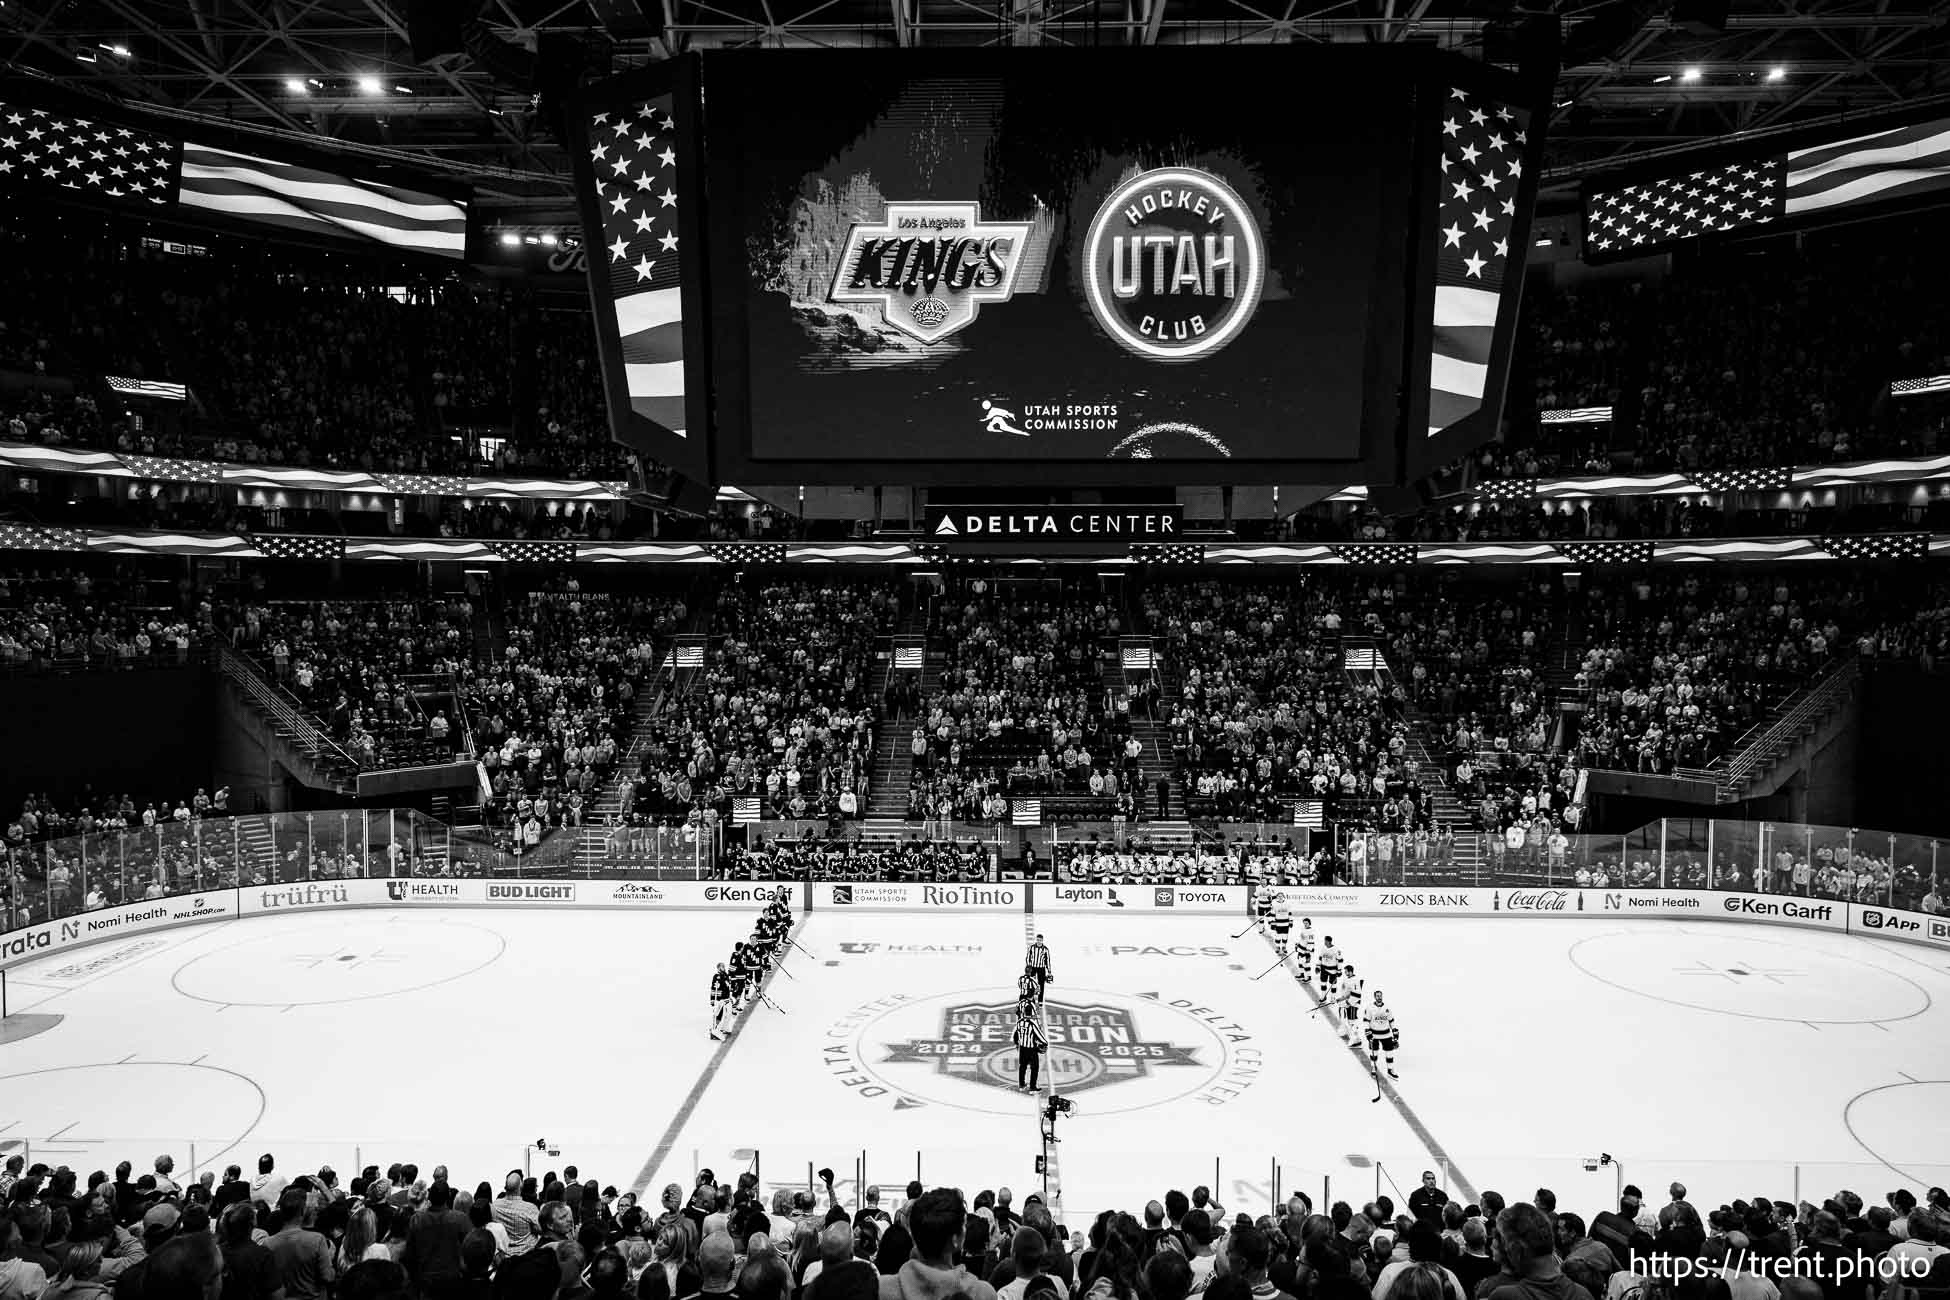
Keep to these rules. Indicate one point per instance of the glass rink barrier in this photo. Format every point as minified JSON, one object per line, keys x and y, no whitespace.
{"x":52,"y":879}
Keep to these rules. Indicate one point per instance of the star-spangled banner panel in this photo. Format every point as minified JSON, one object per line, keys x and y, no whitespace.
{"x":748,"y":552}
{"x":281,"y":546}
{"x":1596,"y":553}
{"x":1482,"y":143}
{"x":536,"y":552}
{"x":1375,"y":552}
{"x":93,"y":160}
{"x":1879,"y":546}
{"x":1763,"y":478}
{"x":1632,"y":219}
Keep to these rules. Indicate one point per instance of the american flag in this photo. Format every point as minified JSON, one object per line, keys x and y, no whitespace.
{"x":1137,"y":657}
{"x":1026,"y":812}
{"x":1924,"y":384}
{"x":745,"y":810}
{"x":1576,"y":415}
{"x":1167,"y":553}
{"x":423,"y":484}
{"x":320,"y":204}
{"x":173,"y":469}
{"x":910,"y":657}
{"x":748,"y":552}
{"x":1310,"y":814}
{"x":1765,"y":478}
{"x":1506,"y":489}
{"x":280,"y":546}
{"x":633,"y":157}
{"x":535,"y":552}
{"x":687,"y":656}
{"x":156,"y":388}
{"x":1476,"y":214}
{"x":1875,"y":168}
{"x":1879,"y":546}
{"x":1376,"y":552}
{"x":1606,"y":552}
{"x":41,"y":150}
{"x":33,"y":537}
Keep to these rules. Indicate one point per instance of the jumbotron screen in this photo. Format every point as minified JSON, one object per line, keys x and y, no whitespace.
{"x":1054,"y":256}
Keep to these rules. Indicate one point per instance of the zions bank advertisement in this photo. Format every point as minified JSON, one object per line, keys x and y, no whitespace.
{"x":1067,"y":261}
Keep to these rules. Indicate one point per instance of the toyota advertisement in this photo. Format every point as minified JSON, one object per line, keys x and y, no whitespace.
{"x":1140,"y":255}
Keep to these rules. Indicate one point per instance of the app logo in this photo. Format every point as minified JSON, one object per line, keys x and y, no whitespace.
{"x":1871,"y":920}
{"x":1174,"y":264}
{"x":930,"y":266}
{"x":1090,"y":1046}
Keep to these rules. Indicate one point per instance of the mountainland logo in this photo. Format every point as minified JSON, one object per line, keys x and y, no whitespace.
{"x":930,"y":266}
{"x":422,"y":891}
{"x":632,"y":891}
{"x":1173,"y":264}
{"x":1090,"y":1046}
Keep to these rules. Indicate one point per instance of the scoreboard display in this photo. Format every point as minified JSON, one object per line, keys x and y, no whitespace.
{"x":1056,"y":256}
{"x":1155,"y":265}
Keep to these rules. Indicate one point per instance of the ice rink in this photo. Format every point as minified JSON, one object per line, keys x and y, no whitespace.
{"x":1738,"y":1059}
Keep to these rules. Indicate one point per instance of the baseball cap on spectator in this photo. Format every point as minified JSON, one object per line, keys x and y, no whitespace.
{"x":159,"y":1220}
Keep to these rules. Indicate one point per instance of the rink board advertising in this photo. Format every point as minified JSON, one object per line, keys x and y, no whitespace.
{"x":979,"y":265}
{"x":51,"y":939}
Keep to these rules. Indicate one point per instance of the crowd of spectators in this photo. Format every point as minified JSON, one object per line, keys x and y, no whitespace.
{"x":70,"y":618}
{"x":785,"y":712}
{"x":395,"y":1235}
{"x":1021,"y":706}
{"x":295,"y":360}
{"x":1779,"y":356}
{"x":927,"y":861}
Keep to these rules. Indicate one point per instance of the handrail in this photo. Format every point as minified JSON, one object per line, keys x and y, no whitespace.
{"x":304,"y":732}
{"x":1815,"y":705}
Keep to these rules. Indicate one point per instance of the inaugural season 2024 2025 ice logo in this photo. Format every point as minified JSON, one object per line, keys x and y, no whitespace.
{"x":1090,"y":1045}
{"x":930,"y":266}
{"x":1173,"y":264}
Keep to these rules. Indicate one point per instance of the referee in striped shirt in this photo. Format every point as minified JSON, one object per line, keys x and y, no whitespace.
{"x":1030,"y":1041}
{"x":1037,"y":963}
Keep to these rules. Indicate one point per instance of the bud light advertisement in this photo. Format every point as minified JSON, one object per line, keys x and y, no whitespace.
{"x":1043,"y":255}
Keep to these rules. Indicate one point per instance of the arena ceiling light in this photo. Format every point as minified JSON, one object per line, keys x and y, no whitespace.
{"x":370,"y":86}
{"x":1777,"y":73}
{"x":1690,"y":75}
{"x":296,"y":86}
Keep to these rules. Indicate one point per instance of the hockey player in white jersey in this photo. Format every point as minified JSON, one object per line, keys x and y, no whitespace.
{"x":1350,"y":1008}
{"x":1305,"y":942}
{"x":1383,"y":1038}
{"x":1281,"y":926}
{"x":1329,"y":966}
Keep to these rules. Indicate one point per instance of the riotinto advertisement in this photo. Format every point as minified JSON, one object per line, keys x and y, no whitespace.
{"x":1065,"y":256}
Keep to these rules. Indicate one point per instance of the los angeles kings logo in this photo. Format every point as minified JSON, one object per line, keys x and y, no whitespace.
{"x":930,"y":266}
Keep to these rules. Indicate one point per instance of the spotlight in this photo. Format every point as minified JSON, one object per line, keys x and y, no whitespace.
{"x":509,"y":239}
{"x":402,"y":90}
{"x":1662,"y":79}
{"x":84,"y":55}
{"x":530,"y":239}
{"x":370,"y":86}
{"x":550,"y":240}
{"x":1777,"y":73}
{"x":295,"y":86}
{"x":1689,"y":75}
{"x":119,"y":51}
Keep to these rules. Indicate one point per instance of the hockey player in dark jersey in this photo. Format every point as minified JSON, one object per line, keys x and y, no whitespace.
{"x":721,"y":995}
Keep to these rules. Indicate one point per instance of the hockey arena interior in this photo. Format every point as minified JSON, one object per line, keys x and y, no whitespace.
{"x":905,"y":649}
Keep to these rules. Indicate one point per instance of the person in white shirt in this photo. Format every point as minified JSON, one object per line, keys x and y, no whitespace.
{"x":267,"y":1186}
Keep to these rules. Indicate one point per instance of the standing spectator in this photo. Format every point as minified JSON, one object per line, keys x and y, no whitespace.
{"x":1426,"y":1201}
{"x":267,"y":1187}
{"x":1529,"y":1248}
{"x":250,"y":1272}
{"x":517,"y":1216}
{"x":431,"y":1257}
{"x":937,"y":1221}
{"x":304,"y":1257}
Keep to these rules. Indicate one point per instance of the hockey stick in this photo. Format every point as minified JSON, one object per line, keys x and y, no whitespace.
{"x":1372,"y":1069}
{"x":780,"y":968}
{"x":766,"y":998}
{"x":1249,"y":929}
{"x":1270,"y":969}
{"x":801,"y":947}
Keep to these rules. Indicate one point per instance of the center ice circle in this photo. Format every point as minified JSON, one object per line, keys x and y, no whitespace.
{"x":365,"y":958}
{"x":1111,"y":1052}
{"x":1741,"y":975}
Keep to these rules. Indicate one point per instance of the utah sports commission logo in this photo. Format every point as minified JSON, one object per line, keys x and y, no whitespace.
{"x":1089,"y":1046}
{"x":1173,"y":264}
{"x":930,"y":266}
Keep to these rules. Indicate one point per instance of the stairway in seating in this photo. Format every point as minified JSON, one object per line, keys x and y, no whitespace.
{"x":893,"y":758}
{"x":257,"y":848}
{"x":1443,"y":803}
{"x":654,"y":694}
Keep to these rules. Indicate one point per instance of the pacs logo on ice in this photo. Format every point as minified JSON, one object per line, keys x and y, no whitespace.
{"x":930,"y":266}
{"x":1090,"y":1046}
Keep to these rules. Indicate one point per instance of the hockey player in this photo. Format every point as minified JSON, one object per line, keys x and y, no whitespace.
{"x":1281,"y":927}
{"x":1329,"y":966}
{"x":1263,"y":905}
{"x":720,"y":1003}
{"x":752,"y":965}
{"x":1350,"y":1002}
{"x":1305,"y":942}
{"x":1383,"y":1038}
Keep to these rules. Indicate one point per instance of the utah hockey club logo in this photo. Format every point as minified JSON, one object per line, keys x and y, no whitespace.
{"x":1174,"y":264}
{"x":930,"y":266}
{"x":1090,"y":1046}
